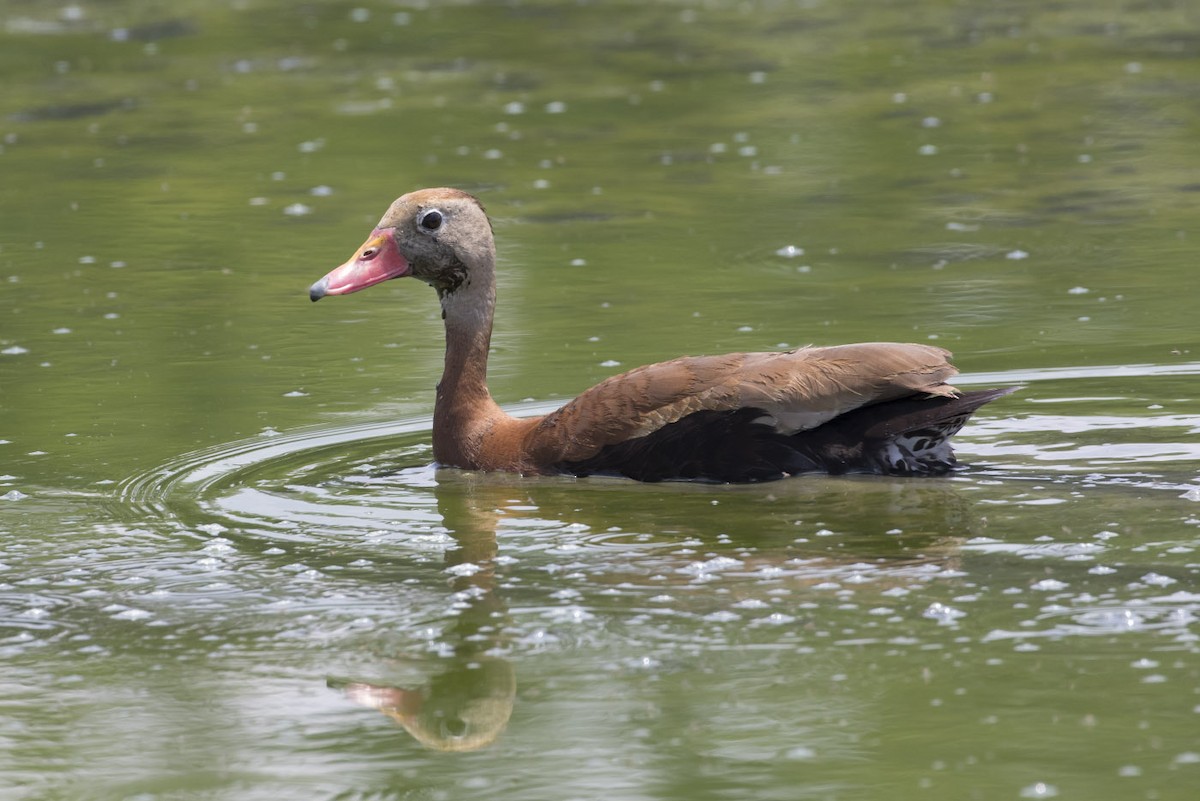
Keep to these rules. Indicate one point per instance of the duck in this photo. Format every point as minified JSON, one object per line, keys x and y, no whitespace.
{"x":881,"y":407}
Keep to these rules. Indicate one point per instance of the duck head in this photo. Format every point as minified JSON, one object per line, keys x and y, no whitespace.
{"x":441,"y":236}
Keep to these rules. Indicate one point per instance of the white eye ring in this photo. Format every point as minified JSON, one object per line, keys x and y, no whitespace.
{"x":430,"y":220}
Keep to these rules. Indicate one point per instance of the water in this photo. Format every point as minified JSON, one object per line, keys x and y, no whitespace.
{"x":227,"y":570}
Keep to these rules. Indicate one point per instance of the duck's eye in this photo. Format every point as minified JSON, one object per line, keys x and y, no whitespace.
{"x":430,"y":220}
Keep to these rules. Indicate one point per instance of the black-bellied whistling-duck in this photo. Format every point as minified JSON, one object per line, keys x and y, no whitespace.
{"x":871,"y":408}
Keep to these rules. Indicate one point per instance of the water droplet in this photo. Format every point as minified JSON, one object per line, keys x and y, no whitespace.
{"x":790,"y":251}
{"x":297,"y":210}
{"x":1016,"y":255}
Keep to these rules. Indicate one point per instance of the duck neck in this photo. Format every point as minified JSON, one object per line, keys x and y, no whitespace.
{"x":464,"y":408}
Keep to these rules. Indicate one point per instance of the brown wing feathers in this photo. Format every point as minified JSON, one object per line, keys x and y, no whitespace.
{"x":798,"y":389}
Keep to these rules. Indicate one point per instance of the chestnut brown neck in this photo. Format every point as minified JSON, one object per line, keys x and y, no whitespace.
{"x":464,"y":409}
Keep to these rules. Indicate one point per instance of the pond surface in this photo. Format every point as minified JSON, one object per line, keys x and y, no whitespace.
{"x":227,"y":570}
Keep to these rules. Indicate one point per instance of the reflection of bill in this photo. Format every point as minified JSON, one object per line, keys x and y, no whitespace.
{"x":463,"y":709}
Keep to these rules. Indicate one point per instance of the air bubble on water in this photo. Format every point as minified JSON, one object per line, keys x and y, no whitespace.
{"x":750,"y":603}
{"x":1049,"y":585}
{"x":568,"y":614}
{"x":1186,"y":758}
{"x":942,"y":613}
{"x":14,"y":350}
{"x":321,"y":191}
{"x":1016,"y":255}
{"x":1039,"y":790}
{"x":297,"y":210}
{"x":1078,"y":290}
{"x":610,"y":363}
{"x":1158,"y":580}
{"x":710,"y":566}
{"x":790,"y":251}
{"x":463,"y":569}
{"x":311,"y":146}
{"x":218,"y":546}
{"x":800,"y":752}
{"x":132,"y":614}
{"x":556,"y":107}
{"x":295,"y":393}
{"x":928,"y":150}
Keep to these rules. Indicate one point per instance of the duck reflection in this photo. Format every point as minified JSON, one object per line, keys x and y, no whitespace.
{"x":465,"y":706}
{"x":882,"y":527}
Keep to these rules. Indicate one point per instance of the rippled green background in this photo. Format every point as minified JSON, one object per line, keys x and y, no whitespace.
{"x":210,"y":528}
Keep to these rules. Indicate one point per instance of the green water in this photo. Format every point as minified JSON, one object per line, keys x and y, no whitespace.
{"x":222,"y":548}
